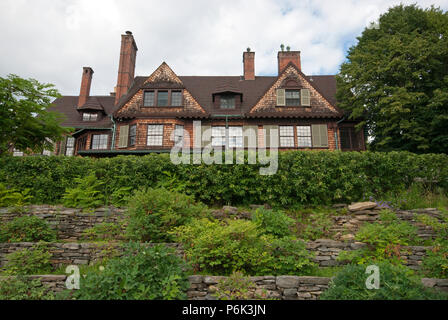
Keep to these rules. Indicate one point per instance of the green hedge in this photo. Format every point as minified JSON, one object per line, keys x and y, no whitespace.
{"x":303,"y":177}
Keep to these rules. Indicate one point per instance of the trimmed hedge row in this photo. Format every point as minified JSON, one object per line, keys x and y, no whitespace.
{"x":310,"y":177}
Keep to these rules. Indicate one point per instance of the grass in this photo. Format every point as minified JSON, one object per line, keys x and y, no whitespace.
{"x":418,"y":197}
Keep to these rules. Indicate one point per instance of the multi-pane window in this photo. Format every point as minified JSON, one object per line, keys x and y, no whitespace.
{"x":228,"y":102}
{"x":148,"y":99}
{"x":303,"y":136}
{"x":86,"y":116}
{"x":176,"y":98}
{"x":17,"y":153}
{"x":178,"y":135}
{"x":70,"y":147}
{"x":286,"y":136}
{"x":155,"y":135}
{"x":292,"y":97}
{"x":218,"y":136}
{"x":236,"y":137}
{"x":132,"y":134}
{"x":99,"y":141}
{"x":349,"y":139}
{"x":162,"y":98}
{"x":82,"y":142}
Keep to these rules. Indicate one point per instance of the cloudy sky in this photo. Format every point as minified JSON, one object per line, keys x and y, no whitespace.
{"x":51,"y":40}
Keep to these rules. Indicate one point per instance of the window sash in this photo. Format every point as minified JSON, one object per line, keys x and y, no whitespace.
{"x":162,"y":98}
{"x":89,"y":116}
{"x":292,"y":97}
{"x":99,"y":141}
{"x":176,"y":98}
{"x":155,"y":135}
{"x":304,"y":137}
{"x":132,"y":134}
{"x":227,"y":102}
{"x":286,"y":134}
{"x":148,"y":99}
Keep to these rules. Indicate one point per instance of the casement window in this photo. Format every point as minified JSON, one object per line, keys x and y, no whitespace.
{"x":178,"y":135}
{"x":286,"y":136}
{"x":132,"y":135}
{"x":99,"y":141}
{"x":17,"y":153}
{"x":176,"y":98}
{"x":218,"y":136}
{"x":304,"y":136}
{"x":236,"y":137}
{"x":271,"y":136}
{"x":227,"y":102}
{"x":349,"y":138}
{"x":162,"y":98}
{"x":292,"y":97}
{"x":148,"y":99}
{"x":70,"y":147}
{"x":155,"y":135}
{"x":87,"y":116}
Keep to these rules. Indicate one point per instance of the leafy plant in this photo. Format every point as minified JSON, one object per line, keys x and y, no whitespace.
{"x":23,"y":288}
{"x":141,"y":273}
{"x":396,"y":283}
{"x":29,"y":261}
{"x":103,"y":231}
{"x":222,"y":247}
{"x":13,"y":198}
{"x":383,"y":240}
{"x":314,"y":225}
{"x":435,"y":262}
{"x":87,"y":194}
{"x":237,"y":287}
{"x":26,"y":229}
{"x":154,"y":212}
{"x":274,"y":222}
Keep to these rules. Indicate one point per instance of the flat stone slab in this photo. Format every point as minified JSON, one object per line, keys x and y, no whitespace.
{"x":287,"y":282}
{"x":361,"y":206}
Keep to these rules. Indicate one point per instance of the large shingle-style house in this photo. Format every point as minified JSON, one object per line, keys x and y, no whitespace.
{"x":143,"y":112}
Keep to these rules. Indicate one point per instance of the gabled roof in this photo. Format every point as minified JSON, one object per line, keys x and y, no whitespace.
{"x":67,"y":105}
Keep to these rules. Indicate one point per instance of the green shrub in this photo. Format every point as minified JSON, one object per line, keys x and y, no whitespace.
{"x":103,"y":231}
{"x":222,"y":247}
{"x":141,"y":273}
{"x":303,"y":177}
{"x":26,"y":229}
{"x":88,"y":193}
{"x":435,"y":263}
{"x":29,"y":261}
{"x":237,"y":287}
{"x":383,"y":240}
{"x":13,"y":197}
{"x":22,"y":288}
{"x":396,"y":283}
{"x":314,"y":225}
{"x":154,"y":212}
{"x":274,"y":222}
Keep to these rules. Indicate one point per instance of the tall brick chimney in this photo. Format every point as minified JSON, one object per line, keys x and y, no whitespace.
{"x":126,"y":68}
{"x":249,"y":65}
{"x":285,"y":57}
{"x":86,"y":81}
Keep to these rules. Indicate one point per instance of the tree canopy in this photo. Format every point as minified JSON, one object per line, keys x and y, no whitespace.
{"x":25,"y":121}
{"x":396,"y":80}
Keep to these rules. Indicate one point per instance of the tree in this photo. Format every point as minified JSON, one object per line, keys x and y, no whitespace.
{"x":396,"y":80}
{"x":25,"y":122}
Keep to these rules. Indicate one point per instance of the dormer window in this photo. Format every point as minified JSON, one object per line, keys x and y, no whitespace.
{"x":227,"y":102}
{"x":162,"y":98}
{"x":87,"y":116}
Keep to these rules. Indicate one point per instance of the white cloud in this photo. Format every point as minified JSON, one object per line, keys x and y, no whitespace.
{"x":51,"y":40}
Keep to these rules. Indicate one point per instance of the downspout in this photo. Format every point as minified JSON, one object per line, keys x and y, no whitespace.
{"x":336,"y":131}
{"x":112,"y":145}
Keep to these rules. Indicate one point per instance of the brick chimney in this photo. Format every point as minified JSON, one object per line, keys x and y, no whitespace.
{"x":285,"y":57}
{"x":126,"y":68}
{"x":249,"y":65}
{"x":86,"y":81}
